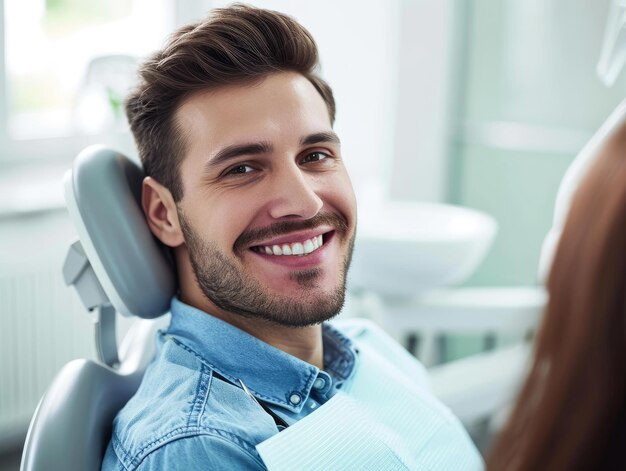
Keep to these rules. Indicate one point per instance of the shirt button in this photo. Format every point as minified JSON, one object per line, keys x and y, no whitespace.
{"x":295,"y":399}
{"x":319,"y":383}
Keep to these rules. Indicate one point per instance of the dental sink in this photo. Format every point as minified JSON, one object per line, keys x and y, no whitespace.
{"x":404,"y":248}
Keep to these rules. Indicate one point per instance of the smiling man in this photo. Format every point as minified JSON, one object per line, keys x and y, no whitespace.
{"x":247,"y":185}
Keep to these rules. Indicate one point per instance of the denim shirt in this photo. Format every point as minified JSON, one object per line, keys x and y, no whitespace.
{"x":191,"y":411}
{"x":194,"y":408}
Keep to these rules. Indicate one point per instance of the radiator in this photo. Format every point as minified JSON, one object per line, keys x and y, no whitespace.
{"x":43,"y":325}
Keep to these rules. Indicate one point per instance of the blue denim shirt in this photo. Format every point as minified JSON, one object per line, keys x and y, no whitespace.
{"x":191,"y":411}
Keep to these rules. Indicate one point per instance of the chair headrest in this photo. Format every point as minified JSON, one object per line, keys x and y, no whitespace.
{"x":103,"y":195}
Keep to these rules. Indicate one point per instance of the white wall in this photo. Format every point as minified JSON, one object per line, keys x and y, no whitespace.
{"x":423,"y":100}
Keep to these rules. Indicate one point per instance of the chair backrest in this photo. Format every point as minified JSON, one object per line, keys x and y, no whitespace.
{"x":72,"y":423}
{"x":71,"y":426}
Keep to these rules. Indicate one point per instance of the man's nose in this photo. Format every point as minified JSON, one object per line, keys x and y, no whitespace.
{"x":294,"y":195}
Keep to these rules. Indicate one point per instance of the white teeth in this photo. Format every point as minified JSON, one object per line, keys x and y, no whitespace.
{"x":317,"y":241}
{"x":297,"y":248}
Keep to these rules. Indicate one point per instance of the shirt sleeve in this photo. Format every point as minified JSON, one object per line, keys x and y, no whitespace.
{"x":201,"y":452}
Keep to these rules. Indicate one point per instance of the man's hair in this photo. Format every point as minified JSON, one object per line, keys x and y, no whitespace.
{"x":235,"y":45}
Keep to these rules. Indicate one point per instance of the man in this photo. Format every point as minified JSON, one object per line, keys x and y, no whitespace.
{"x":246,"y":184}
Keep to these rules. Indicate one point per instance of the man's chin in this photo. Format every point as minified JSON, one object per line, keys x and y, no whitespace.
{"x":301,"y":309}
{"x":308,"y":279}
{"x":311,"y":283}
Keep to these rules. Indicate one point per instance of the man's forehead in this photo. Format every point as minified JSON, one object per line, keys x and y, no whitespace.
{"x":283,"y":105}
{"x":268,"y":87}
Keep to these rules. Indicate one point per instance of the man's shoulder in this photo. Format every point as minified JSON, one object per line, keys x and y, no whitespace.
{"x":181,"y":407}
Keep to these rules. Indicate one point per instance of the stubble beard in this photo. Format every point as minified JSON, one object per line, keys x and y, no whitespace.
{"x":234,"y":290}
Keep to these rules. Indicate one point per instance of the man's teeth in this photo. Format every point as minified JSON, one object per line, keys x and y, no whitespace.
{"x":297,"y":248}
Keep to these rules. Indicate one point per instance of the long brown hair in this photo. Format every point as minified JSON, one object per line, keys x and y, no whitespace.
{"x":571,"y":412}
{"x":235,"y":45}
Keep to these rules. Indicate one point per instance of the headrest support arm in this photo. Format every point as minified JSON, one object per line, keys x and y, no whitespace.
{"x":78,"y":272}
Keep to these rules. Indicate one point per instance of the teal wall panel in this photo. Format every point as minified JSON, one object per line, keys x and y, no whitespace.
{"x":518,"y":189}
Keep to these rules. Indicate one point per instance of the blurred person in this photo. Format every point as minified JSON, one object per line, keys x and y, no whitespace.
{"x":571,"y":411}
{"x":246,"y":184}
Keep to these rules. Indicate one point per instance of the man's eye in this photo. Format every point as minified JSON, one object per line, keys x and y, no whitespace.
{"x":240,"y":170}
{"x":315,"y":157}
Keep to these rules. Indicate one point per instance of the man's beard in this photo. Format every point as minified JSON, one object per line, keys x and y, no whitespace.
{"x":234,"y":290}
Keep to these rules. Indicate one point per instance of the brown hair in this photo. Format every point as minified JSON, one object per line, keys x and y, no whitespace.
{"x":571,"y":412}
{"x":235,"y":45}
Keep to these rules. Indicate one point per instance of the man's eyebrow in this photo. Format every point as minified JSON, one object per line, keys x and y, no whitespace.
{"x":256,"y":148}
{"x":318,"y":137}
{"x":237,"y":150}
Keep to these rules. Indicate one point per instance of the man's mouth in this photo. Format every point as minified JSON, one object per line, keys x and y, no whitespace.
{"x":292,"y":238}
{"x":299,"y":248}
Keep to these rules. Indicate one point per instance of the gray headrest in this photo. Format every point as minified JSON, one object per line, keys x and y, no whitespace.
{"x":103,"y":195}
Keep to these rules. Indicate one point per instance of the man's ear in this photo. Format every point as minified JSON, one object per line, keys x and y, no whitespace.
{"x":160,"y":210}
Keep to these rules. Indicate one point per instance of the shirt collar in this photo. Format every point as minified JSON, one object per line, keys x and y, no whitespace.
{"x":269,"y":373}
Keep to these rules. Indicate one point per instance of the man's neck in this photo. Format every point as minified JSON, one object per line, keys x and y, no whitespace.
{"x":304,"y":343}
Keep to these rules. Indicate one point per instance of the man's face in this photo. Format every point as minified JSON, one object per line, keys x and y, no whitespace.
{"x":268,"y":213}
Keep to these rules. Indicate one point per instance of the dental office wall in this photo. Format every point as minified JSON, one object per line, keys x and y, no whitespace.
{"x":530,"y":100}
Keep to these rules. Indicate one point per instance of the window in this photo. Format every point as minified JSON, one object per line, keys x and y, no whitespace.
{"x":65,"y":66}
{"x":68,"y":63}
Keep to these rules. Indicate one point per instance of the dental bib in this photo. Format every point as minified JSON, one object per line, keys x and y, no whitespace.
{"x":381,"y":421}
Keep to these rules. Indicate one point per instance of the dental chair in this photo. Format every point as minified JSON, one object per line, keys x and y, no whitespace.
{"x":116,"y":266}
